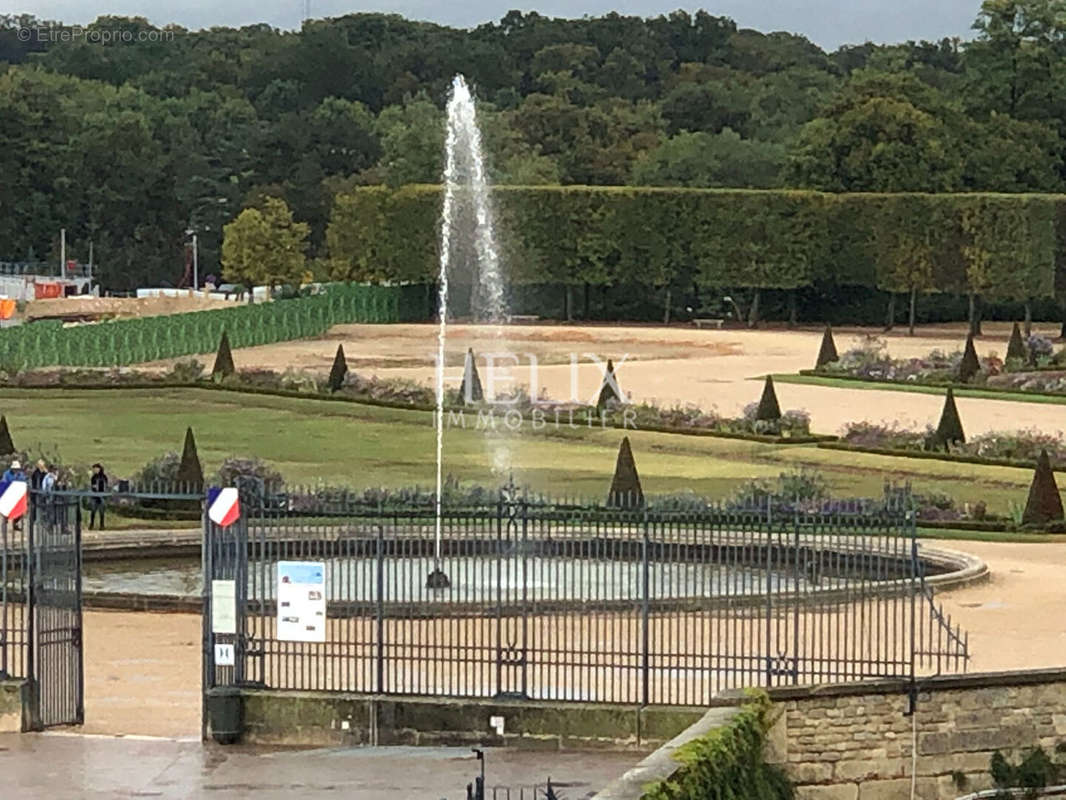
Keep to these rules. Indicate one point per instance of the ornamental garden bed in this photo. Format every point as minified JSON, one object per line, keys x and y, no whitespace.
{"x":1030,"y":366}
{"x":1018,"y":448}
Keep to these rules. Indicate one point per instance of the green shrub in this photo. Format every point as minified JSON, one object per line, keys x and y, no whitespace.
{"x":162,"y":470}
{"x":249,"y":473}
{"x":188,"y":371}
{"x":1036,"y":770}
{"x":727,"y":763}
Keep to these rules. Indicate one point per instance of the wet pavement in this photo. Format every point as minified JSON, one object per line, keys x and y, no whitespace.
{"x":59,"y":766}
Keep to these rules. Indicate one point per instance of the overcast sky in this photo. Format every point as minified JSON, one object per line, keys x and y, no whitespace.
{"x":829,"y":23}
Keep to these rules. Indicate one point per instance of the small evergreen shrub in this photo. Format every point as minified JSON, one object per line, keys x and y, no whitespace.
{"x":827,"y":353}
{"x":338,"y":371}
{"x":223,"y":359}
{"x":610,"y":391}
{"x":1044,"y":504}
{"x":625,"y":491}
{"x":970,"y":364}
{"x":7,"y":446}
{"x":190,"y":473}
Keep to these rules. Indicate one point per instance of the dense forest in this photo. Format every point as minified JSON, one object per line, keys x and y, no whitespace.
{"x":127,"y":144}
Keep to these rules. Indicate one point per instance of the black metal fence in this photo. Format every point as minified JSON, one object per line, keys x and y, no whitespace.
{"x":531,"y":598}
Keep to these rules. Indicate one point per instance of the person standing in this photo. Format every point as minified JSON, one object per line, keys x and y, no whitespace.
{"x":14,"y":472}
{"x":47,"y":493}
{"x":37,"y":476}
{"x":48,"y":482}
{"x":98,"y":484}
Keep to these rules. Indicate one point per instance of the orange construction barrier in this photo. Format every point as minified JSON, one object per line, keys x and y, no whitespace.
{"x":45,"y":291}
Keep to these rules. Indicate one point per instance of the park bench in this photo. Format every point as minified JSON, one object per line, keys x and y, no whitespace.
{"x":715,"y":323}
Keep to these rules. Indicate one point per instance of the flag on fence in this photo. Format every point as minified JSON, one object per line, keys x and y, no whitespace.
{"x":223,"y":506}
{"x":13,"y":499}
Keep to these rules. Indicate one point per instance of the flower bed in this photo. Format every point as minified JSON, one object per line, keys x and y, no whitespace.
{"x":871,"y":361}
{"x":1020,"y":447}
{"x":1043,"y":373}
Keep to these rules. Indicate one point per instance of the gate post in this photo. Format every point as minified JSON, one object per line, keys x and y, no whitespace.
{"x":79,"y":638}
{"x":511,"y":654}
{"x":207,"y":656}
{"x":30,"y":581}
{"x":380,"y":605}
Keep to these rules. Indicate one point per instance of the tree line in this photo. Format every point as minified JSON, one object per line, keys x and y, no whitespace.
{"x":129,"y":144}
{"x":989,"y":247}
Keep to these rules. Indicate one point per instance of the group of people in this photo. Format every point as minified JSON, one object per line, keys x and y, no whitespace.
{"x":45,"y":479}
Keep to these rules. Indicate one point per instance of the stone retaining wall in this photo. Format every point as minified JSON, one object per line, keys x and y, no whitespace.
{"x":336,"y":719}
{"x":854,"y":742}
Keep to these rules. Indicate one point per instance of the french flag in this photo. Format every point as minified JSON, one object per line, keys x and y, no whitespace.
{"x":223,"y":506}
{"x":14,"y":496}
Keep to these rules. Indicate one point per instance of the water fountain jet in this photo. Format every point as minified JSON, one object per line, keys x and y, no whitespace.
{"x":465,"y":183}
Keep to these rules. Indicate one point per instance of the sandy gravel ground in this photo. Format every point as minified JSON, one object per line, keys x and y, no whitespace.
{"x":708,"y":368}
{"x":1017,"y":619}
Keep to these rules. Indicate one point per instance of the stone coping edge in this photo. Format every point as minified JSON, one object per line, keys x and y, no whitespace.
{"x":660,"y":765}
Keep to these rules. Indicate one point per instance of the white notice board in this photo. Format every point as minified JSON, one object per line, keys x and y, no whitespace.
{"x":223,"y":606}
{"x":301,"y":601}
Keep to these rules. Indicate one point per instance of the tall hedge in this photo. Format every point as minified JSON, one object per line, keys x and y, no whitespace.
{"x":1000,"y":246}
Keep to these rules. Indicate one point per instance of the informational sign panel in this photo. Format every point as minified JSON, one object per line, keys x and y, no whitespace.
{"x":224,"y":656}
{"x":301,"y":601}
{"x":223,"y":606}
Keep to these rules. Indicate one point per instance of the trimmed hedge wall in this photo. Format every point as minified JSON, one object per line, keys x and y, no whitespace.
{"x":131,"y":341}
{"x":1005,"y":248}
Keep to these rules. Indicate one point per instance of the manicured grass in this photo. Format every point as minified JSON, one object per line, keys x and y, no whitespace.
{"x":955,"y":535}
{"x":311,"y":441}
{"x":983,"y":394}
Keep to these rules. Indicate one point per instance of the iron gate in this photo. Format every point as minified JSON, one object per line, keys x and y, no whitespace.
{"x":53,"y":541}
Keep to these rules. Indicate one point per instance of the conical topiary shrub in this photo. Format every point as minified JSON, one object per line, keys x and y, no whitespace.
{"x":1044,"y":504}
{"x":339,"y":370}
{"x":609,"y":388}
{"x":7,"y":447}
{"x":190,"y":472}
{"x":827,"y":353}
{"x":625,"y":489}
{"x":769,"y":409}
{"x":970,"y":364}
{"x":1016,"y":346}
{"x":949,"y":431}
{"x":223,"y":359}
{"x":470,"y":390}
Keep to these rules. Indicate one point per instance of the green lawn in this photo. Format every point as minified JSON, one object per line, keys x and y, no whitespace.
{"x":312,"y":441}
{"x":977,"y":392}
